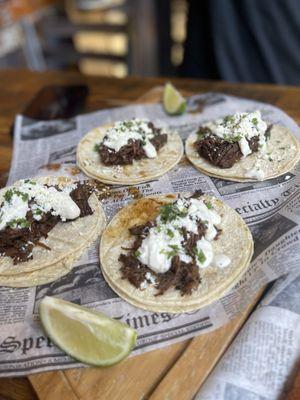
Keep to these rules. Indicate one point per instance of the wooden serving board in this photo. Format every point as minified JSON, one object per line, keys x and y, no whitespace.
{"x":174,"y":372}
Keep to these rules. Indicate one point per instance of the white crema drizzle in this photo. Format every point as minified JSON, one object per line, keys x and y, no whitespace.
{"x":165,"y":239}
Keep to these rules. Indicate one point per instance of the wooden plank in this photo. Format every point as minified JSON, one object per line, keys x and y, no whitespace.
{"x":199,"y":359}
{"x":136,"y":375}
{"x":16,"y":389}
{"x":53,"y":385}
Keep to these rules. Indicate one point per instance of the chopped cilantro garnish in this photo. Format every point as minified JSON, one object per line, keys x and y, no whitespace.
{"x":30,"y":181}
{"x":8,"y":195}
{"x":231,"y":138}
{"x":254,"y":121}
{"x":97,"y":147}
{"x":128,"y":124}
{"x":201,"y":135}
{"x":171,"y":253}
{"x":170,"y":233}
{"x":174,"y":247}
{"x":200,"y":255}
{"x":174,"y":251}
{"x":282,"y":148}
{"x":19,"y":222}
{"x":137,"y":253}
{"x":169,"y":212}
{"x":24,"y":196}
{"x":37,"y":211}
{"x":209,"y":205}
{"x":228,"y":119}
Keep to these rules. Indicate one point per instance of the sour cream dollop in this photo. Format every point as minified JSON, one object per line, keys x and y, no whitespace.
{"x":165,"y":239}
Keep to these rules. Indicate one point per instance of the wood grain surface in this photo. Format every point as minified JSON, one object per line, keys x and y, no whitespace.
{"x":173,"y":372}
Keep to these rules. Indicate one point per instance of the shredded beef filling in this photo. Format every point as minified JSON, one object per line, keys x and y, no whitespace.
{"x":218,"y":151}
{"x":18,"y":243}
{"x":132,"y":151}
{"x":182,"y":276}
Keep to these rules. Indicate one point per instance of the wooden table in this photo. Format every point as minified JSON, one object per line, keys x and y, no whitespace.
{"x":163,"y":373}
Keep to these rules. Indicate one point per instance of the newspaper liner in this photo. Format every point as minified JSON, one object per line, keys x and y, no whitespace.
{"x":235,"y":241}
{"x":270,"y":209}
{"x":285,"y":154}
{"x":65,"y":239}
{"x":140,"y":171}
{"x":262,"y":360}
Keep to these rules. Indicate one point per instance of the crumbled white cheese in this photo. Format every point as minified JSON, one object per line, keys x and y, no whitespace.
{"x":165,"y":239}
{"x":239,"y":127}
{"x":150,"y":278}
{"x":244,"y":146}
{"x":46,"y":199}
{"x":144,"y":285}
{"x":14,"y":210}
{"x":136,"y":129}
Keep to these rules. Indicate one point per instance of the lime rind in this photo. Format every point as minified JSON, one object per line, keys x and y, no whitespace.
{"x":95,"y":329}
{"x":173,"y":102}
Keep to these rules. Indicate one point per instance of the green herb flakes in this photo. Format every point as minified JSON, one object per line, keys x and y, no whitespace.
{"x":170,"y":233}
{"x":30,"y":181}
{"x":8,"y":195}
{"x":37,"y":211}
{"x":171,"y":253}
{"x":19,"y":222}
{"x":97,"y":147}
{"x":137,"y":253}
{"x":200,"y":255}
{"x":169,"y":212}
{"x":208,"y":205}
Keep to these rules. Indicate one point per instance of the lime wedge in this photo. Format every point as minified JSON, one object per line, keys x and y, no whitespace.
{"x":173,"y":102}
{"x":87,"y":335}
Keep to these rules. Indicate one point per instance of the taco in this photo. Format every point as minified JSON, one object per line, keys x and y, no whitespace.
{"x":45,"y":225}
{"x":175,"y":254}
{"x":243,"y":147}
{"x":129,"y":152}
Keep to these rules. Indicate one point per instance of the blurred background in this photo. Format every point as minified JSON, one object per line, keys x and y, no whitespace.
{"x":233,"y":40}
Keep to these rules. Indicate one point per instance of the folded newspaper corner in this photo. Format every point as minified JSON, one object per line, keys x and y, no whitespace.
{"x":263,"y":359}
{"x":270,"y":208}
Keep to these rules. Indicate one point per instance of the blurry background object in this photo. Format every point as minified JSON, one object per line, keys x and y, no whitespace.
{"x":19,"y":44}
{"x":98,"y":37}
{"x":232,"y":40}
{"x":243,"y":41}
